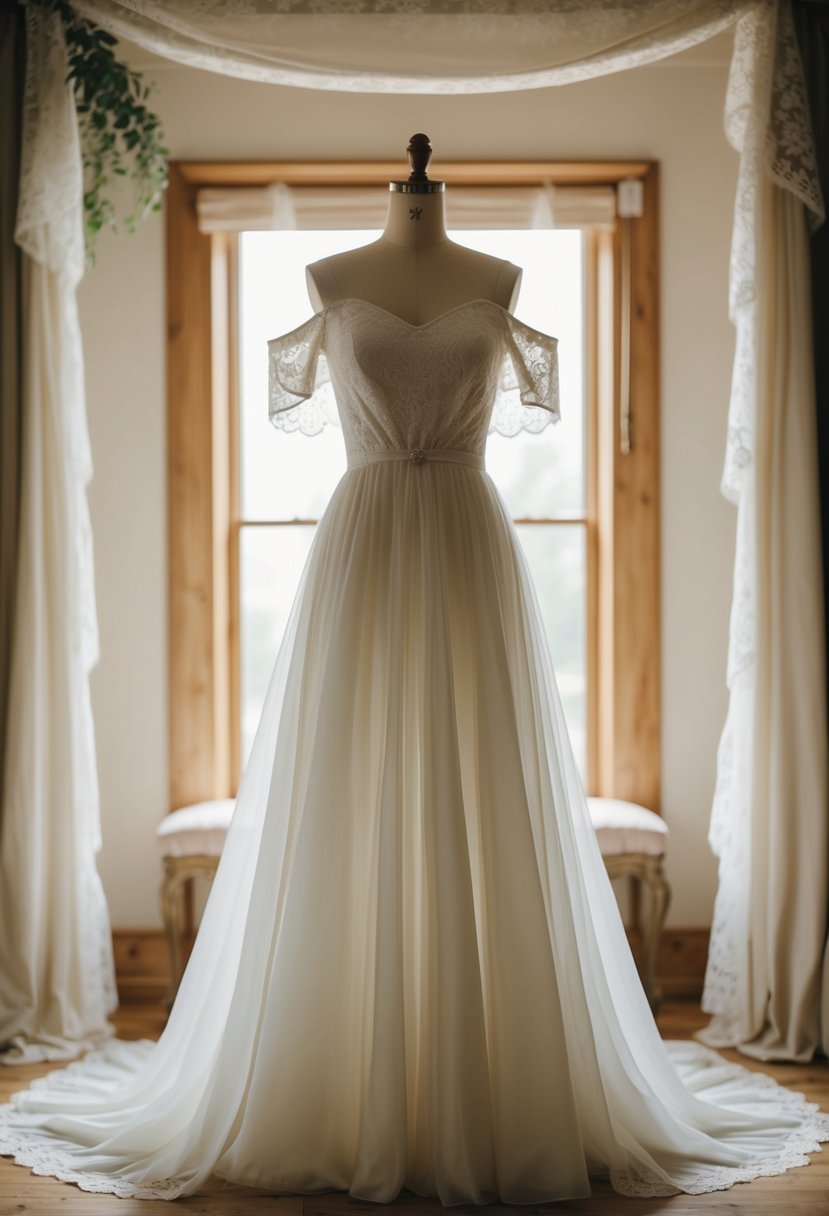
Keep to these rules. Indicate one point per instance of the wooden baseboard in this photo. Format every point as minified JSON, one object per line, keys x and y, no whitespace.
{"x":142,"y":963}
{"x":681,"y":959}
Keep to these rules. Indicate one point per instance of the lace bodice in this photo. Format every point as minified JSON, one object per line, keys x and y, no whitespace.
{"x":446,"y":384}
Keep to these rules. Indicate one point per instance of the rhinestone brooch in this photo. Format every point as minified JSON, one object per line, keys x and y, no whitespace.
{"x":417,"y":456}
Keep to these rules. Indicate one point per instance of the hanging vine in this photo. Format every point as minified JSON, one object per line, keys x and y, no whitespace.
{"x":121,"y":138}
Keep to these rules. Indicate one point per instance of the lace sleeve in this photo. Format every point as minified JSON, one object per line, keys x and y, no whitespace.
{"x":300,"y":397}
{"x":527,"y":397}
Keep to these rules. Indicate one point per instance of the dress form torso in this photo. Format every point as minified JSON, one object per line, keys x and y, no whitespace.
{"x":414,"y":270}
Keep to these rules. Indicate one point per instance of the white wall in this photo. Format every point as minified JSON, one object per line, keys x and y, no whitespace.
{"x":670,"y":112}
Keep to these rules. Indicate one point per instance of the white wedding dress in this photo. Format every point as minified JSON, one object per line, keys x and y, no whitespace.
{"x":411,"y":971}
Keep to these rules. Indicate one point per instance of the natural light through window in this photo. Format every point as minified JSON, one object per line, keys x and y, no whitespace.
{"x":286,"y":480}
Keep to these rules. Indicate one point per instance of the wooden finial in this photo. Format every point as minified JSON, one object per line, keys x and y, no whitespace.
{"x":420,"y":153}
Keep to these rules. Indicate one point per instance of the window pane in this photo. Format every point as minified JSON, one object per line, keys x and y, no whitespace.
{"x":271,"y":561}
{"x":289,"y":477}
{"x":543,"y":475}
{"x":283,"y":476}
{"x":557,"y":558}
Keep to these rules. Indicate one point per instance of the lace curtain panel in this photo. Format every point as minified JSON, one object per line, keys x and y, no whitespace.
{"x":468,"y":46}
{"x":769,"y":824}
{"x":57,"y":979}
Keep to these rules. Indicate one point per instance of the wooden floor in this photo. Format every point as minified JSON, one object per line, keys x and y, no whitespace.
{"x":801,"y":1192}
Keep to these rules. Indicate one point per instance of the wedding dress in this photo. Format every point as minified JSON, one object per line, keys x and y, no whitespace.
{"x":411,"y":971}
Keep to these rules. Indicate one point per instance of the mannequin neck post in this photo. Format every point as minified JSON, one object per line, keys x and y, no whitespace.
{"x":415,"y":221}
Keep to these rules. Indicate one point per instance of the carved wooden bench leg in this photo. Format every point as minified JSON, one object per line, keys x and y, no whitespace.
{"x":659,"y":897}
{"x":647,"y":871}
{"x":171,"y":905}
{"x":177,"y":872}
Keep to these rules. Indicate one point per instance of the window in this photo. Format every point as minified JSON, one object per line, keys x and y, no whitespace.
{"x":285,"y":481}
{"x":244,"y":498}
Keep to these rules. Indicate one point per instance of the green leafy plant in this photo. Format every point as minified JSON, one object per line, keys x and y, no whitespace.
{"x":120,"y":136}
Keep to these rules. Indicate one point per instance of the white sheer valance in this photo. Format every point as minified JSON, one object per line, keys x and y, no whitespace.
{"x":417,"y":46}
{"x":252,"y":208}
{"x":468,"y":46}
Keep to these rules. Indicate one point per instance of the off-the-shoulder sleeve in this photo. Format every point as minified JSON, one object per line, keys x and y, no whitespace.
{"x":528,"y":394}
{"x":300,"y":397}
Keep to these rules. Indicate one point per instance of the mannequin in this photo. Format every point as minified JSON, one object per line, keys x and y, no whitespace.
{"x":414,"y":270}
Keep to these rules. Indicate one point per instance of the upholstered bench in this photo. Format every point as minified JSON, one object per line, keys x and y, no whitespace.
{"x":191,"y":842}
{"x":632,"y":839}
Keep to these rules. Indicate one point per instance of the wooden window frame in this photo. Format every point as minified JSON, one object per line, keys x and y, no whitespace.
{"x":623,"y":527}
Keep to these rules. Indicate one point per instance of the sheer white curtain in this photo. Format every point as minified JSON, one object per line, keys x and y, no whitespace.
{"x":57,"y":982}
{"x":769,"y":818}
{"x":770,"y":825}
{"x":452,"y":46}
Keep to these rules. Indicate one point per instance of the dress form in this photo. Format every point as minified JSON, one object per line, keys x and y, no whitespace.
{"x":414,"y":270}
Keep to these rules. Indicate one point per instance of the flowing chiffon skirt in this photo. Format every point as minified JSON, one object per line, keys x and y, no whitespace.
{"x":411,"y":971}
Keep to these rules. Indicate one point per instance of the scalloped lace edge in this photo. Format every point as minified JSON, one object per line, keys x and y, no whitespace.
{"x":48,"y":1161}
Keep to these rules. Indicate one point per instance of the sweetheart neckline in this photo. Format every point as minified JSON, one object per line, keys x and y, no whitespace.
{"x":410,"y":324}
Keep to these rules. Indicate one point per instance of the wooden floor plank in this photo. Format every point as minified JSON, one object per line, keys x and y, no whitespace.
{"x":801,"y":1192}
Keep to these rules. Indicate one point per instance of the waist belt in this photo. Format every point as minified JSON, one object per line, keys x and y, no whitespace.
{"x":416,"y":456}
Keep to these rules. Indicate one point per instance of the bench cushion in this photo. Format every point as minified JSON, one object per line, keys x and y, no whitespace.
{"x":621,"y":827}
{"x":626,"y":827}
{"x":197,"y":830}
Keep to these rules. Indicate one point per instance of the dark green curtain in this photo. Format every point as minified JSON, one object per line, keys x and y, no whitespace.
{"x":812,"y":24}
{"x":12,"y":71}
